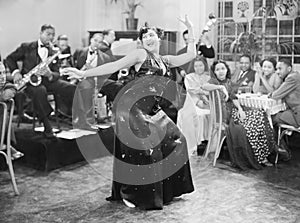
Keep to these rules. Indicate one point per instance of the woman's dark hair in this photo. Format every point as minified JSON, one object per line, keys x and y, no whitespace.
{"x":143,"y":30}
{"x":272,"y":60}
{"x":213,"y":67}
{"x":203,"y":60}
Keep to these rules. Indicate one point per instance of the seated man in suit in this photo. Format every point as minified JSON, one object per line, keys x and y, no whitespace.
{"x":84,"y":59}
{"x":244,"y":76}
{"x":65,"y":59}
{"x":289,"y":92}
{"x":108,"y":38}
{"x":31,"y":54}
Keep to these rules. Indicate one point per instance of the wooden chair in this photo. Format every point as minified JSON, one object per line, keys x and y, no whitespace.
{"x":6,"y":131}
{"x":217,"y":127}
{"x":287,"y":130}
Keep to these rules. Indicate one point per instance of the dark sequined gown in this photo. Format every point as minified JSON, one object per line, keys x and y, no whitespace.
{"x":151,"y":164}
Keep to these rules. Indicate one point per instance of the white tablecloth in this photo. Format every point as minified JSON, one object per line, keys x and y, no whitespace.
{"x":270,"y":105}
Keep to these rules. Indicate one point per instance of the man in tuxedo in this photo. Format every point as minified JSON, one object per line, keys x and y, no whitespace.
{"x":31,"y":54}
{"x":109,"y":37}
{"x":65,"y":59}
{"x":204,"y":48}
{"x":244,"y":76}
{"x":86,"y":58}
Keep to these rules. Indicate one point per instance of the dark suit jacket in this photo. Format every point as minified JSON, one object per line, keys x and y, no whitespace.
{"x":105,"y":48}
{"x":205,"y":52}
{"x":27,"y":53}
{"x":248,"y":77}
{"x":80,"y":57}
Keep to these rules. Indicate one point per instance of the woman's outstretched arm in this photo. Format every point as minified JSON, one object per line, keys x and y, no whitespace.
{"x":212,"y":87}
{"x":176,"y":61}
{"x":136,"y":57}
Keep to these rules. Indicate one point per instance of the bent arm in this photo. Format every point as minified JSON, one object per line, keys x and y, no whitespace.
{"x":14,"y":57}
{"x":256,"y":83}
{"x":269,"y":86}
{"x":176,"y":61}
{"x":136,"y":57}
{"x":289,"y":85}
{"x":212,"y":87}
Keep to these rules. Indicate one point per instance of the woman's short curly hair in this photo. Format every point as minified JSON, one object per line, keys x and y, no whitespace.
{"x":145,"y":29}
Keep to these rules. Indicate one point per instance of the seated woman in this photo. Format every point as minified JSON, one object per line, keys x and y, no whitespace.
{"x":249,"y":136}
{"x":266,"y":79}
{"x":194,"y":82}
{"x":7,"y":92}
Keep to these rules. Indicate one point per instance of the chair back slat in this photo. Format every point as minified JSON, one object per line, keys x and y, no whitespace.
{"x":4,"y":120}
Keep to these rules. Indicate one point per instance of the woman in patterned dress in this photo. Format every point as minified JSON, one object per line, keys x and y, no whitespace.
{"x":249,"y":135}
{"x":151,"y":164}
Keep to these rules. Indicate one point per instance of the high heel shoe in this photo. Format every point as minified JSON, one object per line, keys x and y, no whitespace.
{"x":128,"y":203}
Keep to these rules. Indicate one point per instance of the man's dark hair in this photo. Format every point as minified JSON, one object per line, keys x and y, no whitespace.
{"x":62,"y":37}
{"x":46,"y":26}
{"x":248,"y":56}
{"x":106,"y":32}
{"x":286,"y":61}
{"x":185,"y":32}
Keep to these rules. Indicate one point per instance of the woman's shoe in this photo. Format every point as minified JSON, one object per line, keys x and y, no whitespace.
{"x":49,"y":135}
{"x":266,"y":163}
{"x":16,"y":155}
{"x":128,"y":203}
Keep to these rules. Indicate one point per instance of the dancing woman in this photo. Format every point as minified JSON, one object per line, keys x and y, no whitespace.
{"x":151,"y":164}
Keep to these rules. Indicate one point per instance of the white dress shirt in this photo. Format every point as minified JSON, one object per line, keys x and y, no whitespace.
{"x":42,"y":51}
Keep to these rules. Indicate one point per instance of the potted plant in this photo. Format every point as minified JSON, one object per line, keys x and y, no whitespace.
{"x":131,"y":21}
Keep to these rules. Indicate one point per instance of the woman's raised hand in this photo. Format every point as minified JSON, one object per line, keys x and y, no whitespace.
{"x":186,"y":21}
{"x":72,"y":72}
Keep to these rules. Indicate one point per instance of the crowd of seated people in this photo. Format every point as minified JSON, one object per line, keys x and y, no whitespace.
{"x":250,"y":136}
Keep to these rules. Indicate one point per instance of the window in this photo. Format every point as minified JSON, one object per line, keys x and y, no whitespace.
{"x":273,"y":37}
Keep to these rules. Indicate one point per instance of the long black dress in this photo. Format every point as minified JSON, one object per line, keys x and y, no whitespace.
{"x":151,"y":164}
{"x":250,"y":141}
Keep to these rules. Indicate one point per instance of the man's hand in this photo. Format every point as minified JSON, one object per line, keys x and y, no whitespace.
{"x":8,"y":94}
{"x":182,"y":73}
{"x":17,"y":77}
{"x":45,"y":71}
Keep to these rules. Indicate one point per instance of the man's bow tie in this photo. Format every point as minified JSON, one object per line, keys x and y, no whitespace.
{"x":46,"y":46}
{"x":92,"y":52}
